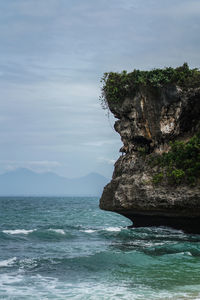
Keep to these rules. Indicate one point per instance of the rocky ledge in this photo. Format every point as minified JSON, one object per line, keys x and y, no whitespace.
{"x":147,"y":122}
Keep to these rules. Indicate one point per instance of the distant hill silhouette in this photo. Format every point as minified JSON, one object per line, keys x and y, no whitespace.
{"x":26,"y":182}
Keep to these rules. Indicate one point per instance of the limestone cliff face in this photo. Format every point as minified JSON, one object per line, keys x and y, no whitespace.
{"x":150,"y":120}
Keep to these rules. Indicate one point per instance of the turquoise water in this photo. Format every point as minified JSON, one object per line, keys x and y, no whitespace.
{"x":67,"y":248}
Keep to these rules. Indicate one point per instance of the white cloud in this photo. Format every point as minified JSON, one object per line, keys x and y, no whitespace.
{"x":107,"y":160}
{"x":100,"y":143}
{"x":38,"y":166}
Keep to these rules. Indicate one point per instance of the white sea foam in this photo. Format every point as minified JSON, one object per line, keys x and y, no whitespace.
{"x":39,"y":287}
{"x":184,"y":253}
{"x":18,"y":231}
{"x":88,"y":230}
{"x":7,"y":262}
{"x":61,"y":231}
{"x":113,"y":229}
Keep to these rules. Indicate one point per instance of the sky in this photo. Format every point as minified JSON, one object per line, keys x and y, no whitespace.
{"x":53,"y":54}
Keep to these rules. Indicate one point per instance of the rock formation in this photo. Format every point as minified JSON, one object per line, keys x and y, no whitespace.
{"x":147,"y":122}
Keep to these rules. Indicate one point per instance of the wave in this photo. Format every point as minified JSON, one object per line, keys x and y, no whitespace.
{"x":7,"y":262}
{"x":60,"y":231}
{"x":99,"y":261}
{"x":109,"y":229}
{"x":45,"y":287}
{"x":88,"y":230}
{"x":142,"y":233}
{"x":114,"y":229}
{"x":18,"y":231}
{"x":103,"y":261}
{"x":51,"y":234}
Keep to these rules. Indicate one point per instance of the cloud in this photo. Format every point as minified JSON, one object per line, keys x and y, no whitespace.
{"x":38,"y":166}
{"x":107,"y":160}
{"x":100,"y":143}
{"x":53,"y":54}
{"x":30,"y":8}
{"x":184,"y":9}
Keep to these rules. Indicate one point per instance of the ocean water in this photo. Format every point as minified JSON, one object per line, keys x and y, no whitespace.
{"x":67,"y":248}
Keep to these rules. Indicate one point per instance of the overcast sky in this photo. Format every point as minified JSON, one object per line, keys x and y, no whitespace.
{"x":52,"y":56}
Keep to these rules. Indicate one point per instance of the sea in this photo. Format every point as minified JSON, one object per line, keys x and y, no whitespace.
{"x":67,"y":248}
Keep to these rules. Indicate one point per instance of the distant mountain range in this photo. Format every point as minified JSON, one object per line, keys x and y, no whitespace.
{"x":26,"y":182}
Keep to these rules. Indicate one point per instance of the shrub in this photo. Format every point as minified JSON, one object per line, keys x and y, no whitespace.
{"x":117,"y":86}
{"x":158,"y":178}
{"x":181,"y":163}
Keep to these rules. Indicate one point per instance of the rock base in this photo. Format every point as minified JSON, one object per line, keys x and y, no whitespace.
{"x":188,"y":225}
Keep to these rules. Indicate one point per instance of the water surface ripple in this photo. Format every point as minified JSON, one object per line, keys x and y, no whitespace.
{"x":67,"y":248}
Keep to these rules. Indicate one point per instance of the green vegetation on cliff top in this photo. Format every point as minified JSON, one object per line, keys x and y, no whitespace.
{"x":181,"y":164}
{"x":117,"y":86}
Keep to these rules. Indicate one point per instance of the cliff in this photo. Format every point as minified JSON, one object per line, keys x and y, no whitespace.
{"x":155,"y":122}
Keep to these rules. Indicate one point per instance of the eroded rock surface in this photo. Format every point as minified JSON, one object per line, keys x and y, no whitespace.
{"x":150,"y":120}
